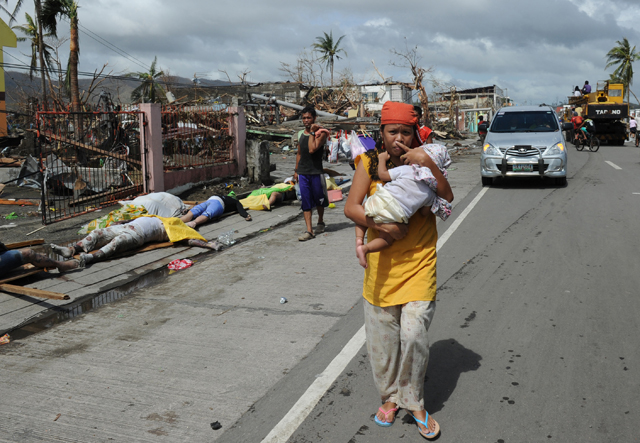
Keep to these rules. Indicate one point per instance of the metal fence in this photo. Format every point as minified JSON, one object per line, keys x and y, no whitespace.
{"x":195,"y":136}
{"x":88,"y":160}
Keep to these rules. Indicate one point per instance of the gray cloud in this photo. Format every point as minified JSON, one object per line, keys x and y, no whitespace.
{"x":537,"y":50}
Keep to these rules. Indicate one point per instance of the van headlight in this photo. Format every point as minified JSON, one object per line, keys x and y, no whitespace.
{"x":489,"y":149}
{"x":556,"y":149}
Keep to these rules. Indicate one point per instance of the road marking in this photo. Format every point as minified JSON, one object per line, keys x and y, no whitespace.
{"x":459,"y":220}
{"x":305,"y":404}
{"x":613,"y":165}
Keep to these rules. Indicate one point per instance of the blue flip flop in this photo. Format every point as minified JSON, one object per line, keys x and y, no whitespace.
{"x":385,"y":424}
{"x":429,"y":435}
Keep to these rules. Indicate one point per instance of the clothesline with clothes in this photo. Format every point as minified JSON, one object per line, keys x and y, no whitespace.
{"x":349,"y":144}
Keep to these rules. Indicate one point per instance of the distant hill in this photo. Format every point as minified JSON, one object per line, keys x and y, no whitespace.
{"x":19,"y":87}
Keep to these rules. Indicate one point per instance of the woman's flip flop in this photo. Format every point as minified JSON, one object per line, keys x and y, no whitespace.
{"x":385,"y":423}
{"x":427,"y":435}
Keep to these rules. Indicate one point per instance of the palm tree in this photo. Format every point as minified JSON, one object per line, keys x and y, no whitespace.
{"x":51,"y":9}
{"x":150,"y":90}
{"x":623,"y":55}
{"x":329,"y":50}
{"x":38,"y":9}
{"x":30,"y":30}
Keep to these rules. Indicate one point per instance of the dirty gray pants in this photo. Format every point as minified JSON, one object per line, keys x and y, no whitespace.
{"x":113,"y":239}
{"x":398,"y":349}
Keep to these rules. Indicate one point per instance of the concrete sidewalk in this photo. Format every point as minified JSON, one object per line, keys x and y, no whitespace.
{"x":80,"y":285}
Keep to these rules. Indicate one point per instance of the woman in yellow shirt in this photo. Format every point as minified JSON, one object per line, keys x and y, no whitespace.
{"x":400,"y":282}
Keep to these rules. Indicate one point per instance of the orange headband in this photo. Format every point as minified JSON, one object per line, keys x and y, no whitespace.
{"x":403,"y":114}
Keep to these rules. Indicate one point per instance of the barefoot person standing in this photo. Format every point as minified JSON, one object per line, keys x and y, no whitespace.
{"x":400,"y":281}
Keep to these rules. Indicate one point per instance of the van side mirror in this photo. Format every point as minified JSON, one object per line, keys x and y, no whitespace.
{"x":567,"y":126}
{"x":482,"y":127}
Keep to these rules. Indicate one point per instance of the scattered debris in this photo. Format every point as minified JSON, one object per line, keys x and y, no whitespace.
{"x":283,"y":300}
{"x":35,"y":230}
{"x":180,"y":264}
{"x":57,"y":417}
{"x":216,"y":425}
{"x":5,"y":339}
{"x":226,"y":238}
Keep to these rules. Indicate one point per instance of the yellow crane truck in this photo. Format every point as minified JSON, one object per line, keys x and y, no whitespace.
{"x":606,"y":107}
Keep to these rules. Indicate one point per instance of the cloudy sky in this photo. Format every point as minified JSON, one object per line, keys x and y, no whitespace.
{"x":536,"y":50}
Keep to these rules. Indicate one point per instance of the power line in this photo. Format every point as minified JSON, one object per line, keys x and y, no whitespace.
{"x":109,"y":45}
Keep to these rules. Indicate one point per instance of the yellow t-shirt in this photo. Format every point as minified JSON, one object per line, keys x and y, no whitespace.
{"x":406,"y":271}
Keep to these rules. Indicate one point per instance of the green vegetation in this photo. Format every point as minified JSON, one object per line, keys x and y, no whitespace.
{"x":329,"y":50}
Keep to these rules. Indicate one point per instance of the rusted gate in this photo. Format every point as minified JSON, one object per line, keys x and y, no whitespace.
{"x":195,"y":136}
{"x":88,"y":160}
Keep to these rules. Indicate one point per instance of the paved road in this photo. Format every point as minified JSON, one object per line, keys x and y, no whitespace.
{"x":535,"y":333}
{"x":533,"y":337}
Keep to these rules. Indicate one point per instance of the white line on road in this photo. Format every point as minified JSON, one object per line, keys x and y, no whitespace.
{"x":303,"y":407}
{"x":613,"y":165}
{"x":459,"y":220}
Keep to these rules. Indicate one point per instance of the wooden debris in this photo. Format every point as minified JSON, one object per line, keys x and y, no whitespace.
{"x":21,"y":202}
{"x":20,"y":273}
{"x":53,"y":136}
{"x":24,"y":244}
{"x":36,"y":230}
{"x":10,"y":162}
{"x":118,"y":192}
{"x":32,"y":292}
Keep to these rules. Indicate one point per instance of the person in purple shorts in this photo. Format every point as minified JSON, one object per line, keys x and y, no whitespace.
{"x":309,"y":173}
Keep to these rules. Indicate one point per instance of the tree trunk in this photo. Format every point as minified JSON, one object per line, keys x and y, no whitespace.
{"x":331,"y":85}
{"x":73,"y":66}
{"x":41,"y":55}
{"x":74,"y":90}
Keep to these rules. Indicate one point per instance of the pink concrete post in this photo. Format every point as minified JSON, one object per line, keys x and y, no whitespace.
{"x":238,"y":129}
{"x":151,"y":144}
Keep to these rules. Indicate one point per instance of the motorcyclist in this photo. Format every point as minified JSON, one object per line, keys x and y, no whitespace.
{"x":482,"y":133}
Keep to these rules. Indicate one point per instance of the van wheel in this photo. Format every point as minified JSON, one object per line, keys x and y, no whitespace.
{"x":487,"y":181}
{"x":561,"y":181}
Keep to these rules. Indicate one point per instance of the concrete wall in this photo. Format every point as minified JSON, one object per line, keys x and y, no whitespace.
{"x":258,"y":162}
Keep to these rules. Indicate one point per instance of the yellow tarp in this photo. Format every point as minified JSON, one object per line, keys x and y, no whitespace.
{"x":331,"y":184}
{"x":177,"y":230}
{"x":256,"y":202}
{"x":126,"y":212}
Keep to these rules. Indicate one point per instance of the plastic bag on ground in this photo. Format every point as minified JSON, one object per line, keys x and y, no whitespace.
{"x":180,"y":264}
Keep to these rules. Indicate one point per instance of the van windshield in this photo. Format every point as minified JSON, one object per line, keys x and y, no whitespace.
{"x":534,"y":121}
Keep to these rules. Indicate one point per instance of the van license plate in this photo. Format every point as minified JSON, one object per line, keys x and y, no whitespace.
{"x":522,"y":168}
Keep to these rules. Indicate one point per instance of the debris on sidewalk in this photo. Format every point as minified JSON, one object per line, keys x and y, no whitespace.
{"x":216,"y":425}
{"x":226,"y":238}
{"x":5,"y":339}
{"x":178,"y":264}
